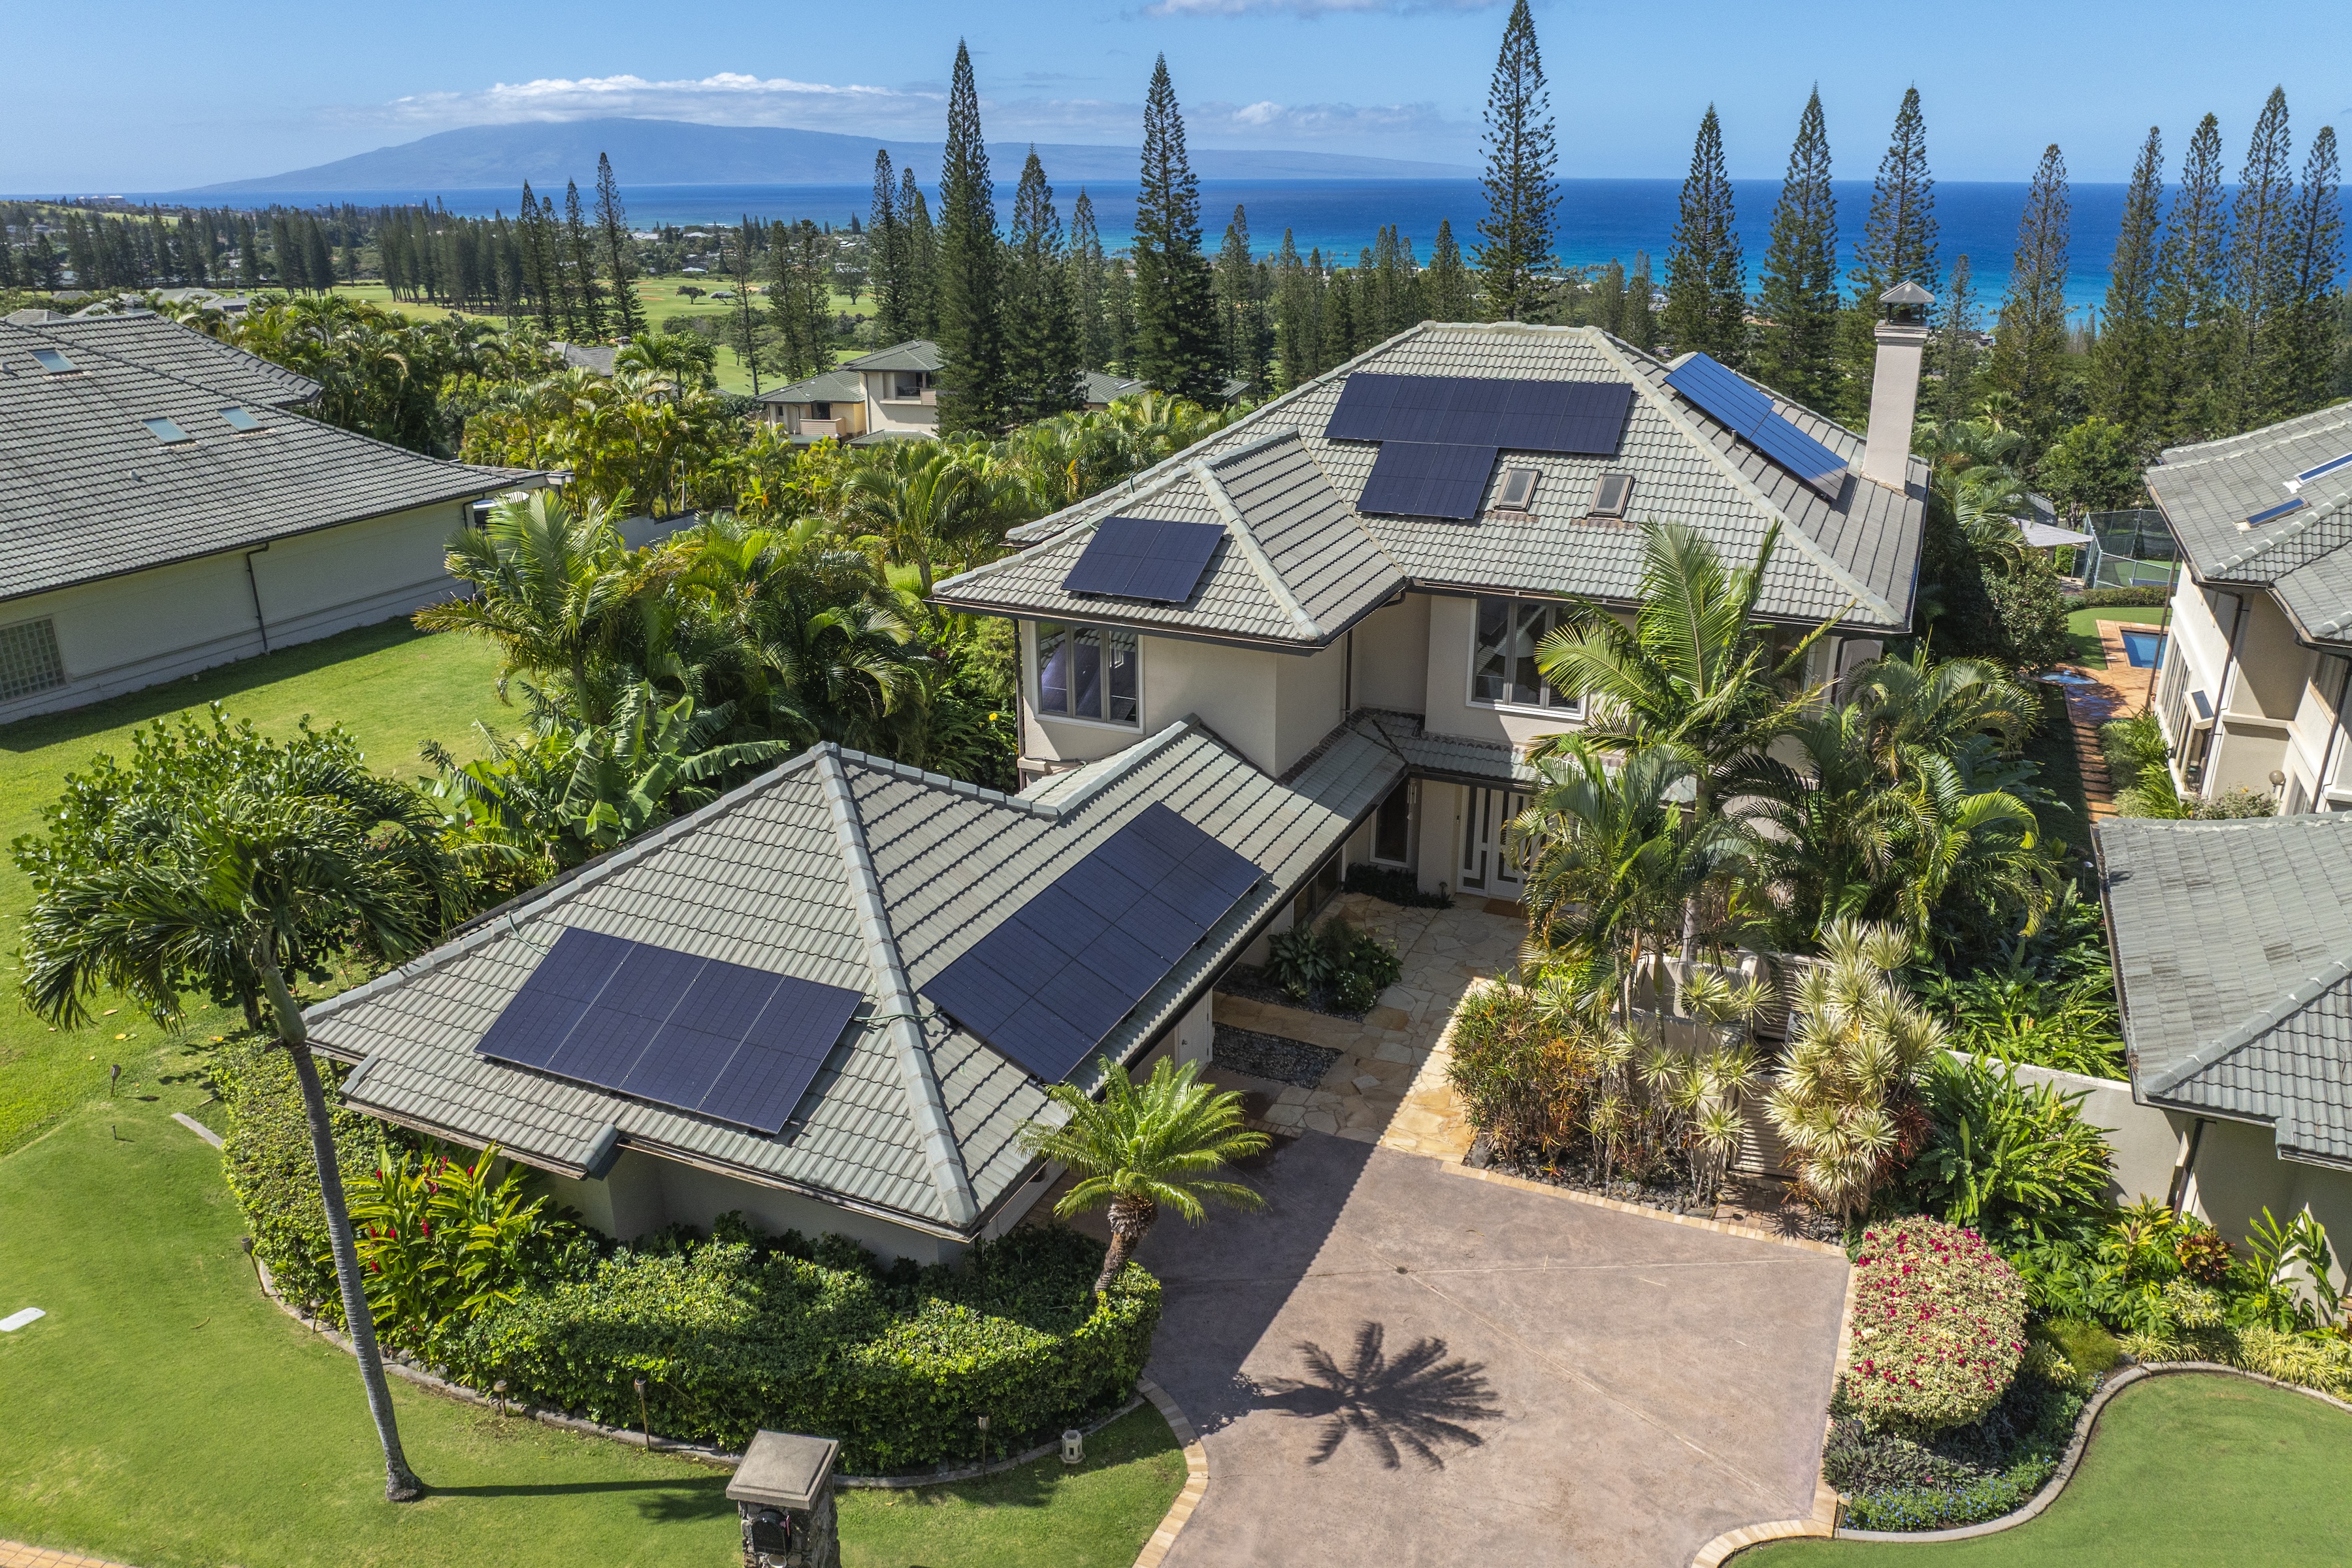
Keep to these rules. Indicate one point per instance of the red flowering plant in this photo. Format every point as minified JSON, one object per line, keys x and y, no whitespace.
{"x":1938,"y":1327}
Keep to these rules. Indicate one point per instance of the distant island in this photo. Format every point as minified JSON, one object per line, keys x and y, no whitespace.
{"x":676,"y":152}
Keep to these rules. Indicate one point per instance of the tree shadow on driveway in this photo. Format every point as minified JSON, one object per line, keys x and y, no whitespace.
{"x":1416,"y":1404}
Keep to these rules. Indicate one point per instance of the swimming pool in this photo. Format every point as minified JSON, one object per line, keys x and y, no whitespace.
{"x":2143,"y":648}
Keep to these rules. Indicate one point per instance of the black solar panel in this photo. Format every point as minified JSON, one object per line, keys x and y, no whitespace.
{"x":1144,"y":558}
{"x":1060,"y":972}
{"x":1414,"y":479}
{"x":1748,"y":414}
{"x":1584,"y":417}
{"x":735,"y":1044}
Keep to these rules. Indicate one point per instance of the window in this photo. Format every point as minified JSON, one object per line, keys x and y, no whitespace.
{"x":2298,"y":800}
{"x":907,"y":385}
{"x":239,"y":420}
{"x":1519,"y":489}
{"x":1392,"y":825}
{"x":1088,"y":672}
{"x":1502,"y":664}
{"x":1610,"y":494}
{"x":28,"y":660}
{"x":52,"y":360}
{"x":167,"y":431}
{"x":820,"y":410}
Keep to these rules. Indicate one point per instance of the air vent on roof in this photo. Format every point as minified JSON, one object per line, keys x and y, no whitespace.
{"x":52,"y":360}
{"x":1610,"y":494}
{"x":167,"y":431}
{"x":1518,"y":492}
{"x":238,"y":419}
{"x":2329,"y":467}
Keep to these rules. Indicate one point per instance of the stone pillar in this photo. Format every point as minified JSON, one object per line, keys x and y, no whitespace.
{"x":784,"y":1494}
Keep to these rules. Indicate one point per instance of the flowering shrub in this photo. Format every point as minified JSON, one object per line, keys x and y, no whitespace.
{"x":1938,"y":1327}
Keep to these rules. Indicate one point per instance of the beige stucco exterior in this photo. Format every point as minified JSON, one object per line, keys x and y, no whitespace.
{"x":2272,"y":702}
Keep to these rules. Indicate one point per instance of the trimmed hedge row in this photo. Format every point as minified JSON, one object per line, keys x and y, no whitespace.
{"x":2152,"y":596}
{"x":731,"y":1337}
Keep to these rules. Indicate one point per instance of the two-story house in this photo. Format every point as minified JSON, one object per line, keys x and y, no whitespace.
{"x":2251,"y":690}
{"x":1381,"y":550}
{"x":890,"y":395}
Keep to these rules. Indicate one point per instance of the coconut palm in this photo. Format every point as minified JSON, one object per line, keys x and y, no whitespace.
{"x":242,"y":880}
{"x":915,"y":500}
{"x":1138,"y":1148}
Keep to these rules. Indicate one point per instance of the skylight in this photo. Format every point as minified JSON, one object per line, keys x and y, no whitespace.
{"x":167,"y":431}
{"x":52,"y":360}
{"x":2329,"y":467}
{"x":1610,"y":494}
{"x":238,"y":419}
{"x":1519,"y":489}
{"x":2271,"y":514}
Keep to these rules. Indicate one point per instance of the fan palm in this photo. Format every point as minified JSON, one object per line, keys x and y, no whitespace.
{"x":1139,"y":1147}
{"x":243,"y":879}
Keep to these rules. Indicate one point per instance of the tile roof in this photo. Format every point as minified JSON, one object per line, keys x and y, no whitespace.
{"x":915,"y":353}
{"x":1102,"y":386}
{"x":2209,"y":493}
{"x":87,"y":491}
{"x":770,"y":876}
{"x":830,"y":387}
{"x":1855,"y":559}
{"x":2233,"y":959}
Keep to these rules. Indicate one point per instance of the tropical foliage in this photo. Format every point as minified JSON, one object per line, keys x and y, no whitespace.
{"x":1938,"y":1327}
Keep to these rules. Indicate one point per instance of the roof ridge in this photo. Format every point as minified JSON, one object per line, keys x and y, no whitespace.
{"x":2164,"y":459}
{"x":919,"y":1078}
{"x":1254,"y":552}
{"x":115,"y":355}
{"x":2229,"y":1042}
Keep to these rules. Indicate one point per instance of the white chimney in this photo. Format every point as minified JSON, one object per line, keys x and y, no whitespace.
{"x":1894,"y":383}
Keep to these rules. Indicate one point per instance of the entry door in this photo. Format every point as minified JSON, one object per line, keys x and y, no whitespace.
{"x":1489,"y":864}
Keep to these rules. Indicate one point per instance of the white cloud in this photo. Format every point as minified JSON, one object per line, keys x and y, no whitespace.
{"x":728,"y":97}
{"x":1306,"y":7}
{"x":1267,"y":124}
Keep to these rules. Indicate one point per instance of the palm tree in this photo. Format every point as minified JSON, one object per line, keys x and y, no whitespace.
{"x":1139,"y":1147}
{"x":242,"y":881}
{"x":1917,"y":708}
{"x":915,"y":502}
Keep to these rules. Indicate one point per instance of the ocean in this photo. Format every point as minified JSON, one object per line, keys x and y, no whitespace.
{"x":1598,"y":219}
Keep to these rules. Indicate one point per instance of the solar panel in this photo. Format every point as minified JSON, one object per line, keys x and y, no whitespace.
{"x":1058,"y":974}
{"x":1414,"y":479}
{"x":1748,"y":414}
{"x":722,"y":1040}
{"x":2324,"y":468}
{"x":1144,"y":558}
{"x":1585,"y":417}
{"x":2271,"y":514}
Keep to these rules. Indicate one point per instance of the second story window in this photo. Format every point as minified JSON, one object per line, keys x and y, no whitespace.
{"x":1503,"y":660}
{"x":1088,"y":672}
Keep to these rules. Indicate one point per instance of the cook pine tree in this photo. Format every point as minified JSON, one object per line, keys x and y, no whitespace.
{"x":1795,"y":348}
{"x":2192,"y":329}
{"x":1176,"y":341}
{"x":1707,"y":292}
{"x":2028,"y":337}
{"x":975,"y":395}
{"x":1043,"y":358}
{"x":2126,"y":372}
{"x":1899,"y":244}
{"x":1521,"y":183}
{"x":620,"y":253}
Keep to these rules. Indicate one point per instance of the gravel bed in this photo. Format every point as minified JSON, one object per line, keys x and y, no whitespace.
{"x":1271,"y":1057}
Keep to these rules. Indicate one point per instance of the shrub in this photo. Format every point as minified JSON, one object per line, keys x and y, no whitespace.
{"x":2033,"y":619}
{"x":2203,"y":1255}
{"x":1968,"y":1474}
{"x":733,"y":1336}
{"x":1939,"y":1325}
{"x":1299,"y":962}
{"x":2152,"y":596}
{"x":2235,"y":802}
{"x":1393,"y":885}
{"x":1520,"y":1084}
{"x":2008,"y":1159}
{"x":1336,"y":962}
{"x":2089,"y":1349}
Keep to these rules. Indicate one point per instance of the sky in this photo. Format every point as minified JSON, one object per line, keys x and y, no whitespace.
{"x":167,"y":103}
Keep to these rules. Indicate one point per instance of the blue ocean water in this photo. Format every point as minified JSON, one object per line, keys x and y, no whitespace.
{"x":1598,"y":219}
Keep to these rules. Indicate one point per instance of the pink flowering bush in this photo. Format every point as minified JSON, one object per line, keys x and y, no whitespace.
{"x":1938,"y":1327}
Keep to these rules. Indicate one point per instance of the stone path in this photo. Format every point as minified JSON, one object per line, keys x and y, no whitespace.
{"x":2118,"y":691}
{"x":17,"y":1554}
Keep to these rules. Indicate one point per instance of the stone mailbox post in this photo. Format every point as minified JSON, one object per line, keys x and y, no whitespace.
{"x":783,"y":1491}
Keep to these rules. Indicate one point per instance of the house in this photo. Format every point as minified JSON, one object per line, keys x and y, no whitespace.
{"x":890,"y":395}
{"x":164,"y":507}
{"x":858,"y":886}
{"x":2232,"y":945}
{"x":594,"y":358}
{"x":1098,"y":389}
{"x":1323,"y":587}
{"x":2251,"y":693}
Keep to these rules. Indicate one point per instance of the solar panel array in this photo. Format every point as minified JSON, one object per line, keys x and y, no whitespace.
{"x":1578,"y":417}
{"x":1144,"y":558}
{"x":722,"y":1040}
{"x":1416,"y":479}
{"x":1748,"y":414}
{"x":1059,"y":973}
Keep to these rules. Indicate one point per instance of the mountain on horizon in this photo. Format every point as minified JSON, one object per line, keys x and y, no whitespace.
{"x":647,"y":153}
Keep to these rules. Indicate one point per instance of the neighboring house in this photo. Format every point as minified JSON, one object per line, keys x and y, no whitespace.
{"x":596,"y":358}
{"x":165,"y":508}
{"x":862,"y":884}
{"x":890,"y":395}
{"x":2232,"y":945}
{"x":1307,"y":603}
{"x":2252,"y":690}
{"x":1098,"y":389}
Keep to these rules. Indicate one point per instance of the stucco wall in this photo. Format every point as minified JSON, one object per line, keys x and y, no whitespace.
{"x":1446,"y":690}
{"x":1391,"y":655}
{"x":1310,"y":699}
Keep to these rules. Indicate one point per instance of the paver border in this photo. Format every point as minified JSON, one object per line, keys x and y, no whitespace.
{"x":1196,"y":1476}
{"x":18,"y":1554}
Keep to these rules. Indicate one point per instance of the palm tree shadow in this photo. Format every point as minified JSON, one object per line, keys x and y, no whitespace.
{"x":1416,"y":1403}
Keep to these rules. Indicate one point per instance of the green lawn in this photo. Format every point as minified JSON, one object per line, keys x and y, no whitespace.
{"x":2052,"y":748}
{"x":390,"y":685}
{"x":2084,"y":626}
{"x":2182,"y":1472}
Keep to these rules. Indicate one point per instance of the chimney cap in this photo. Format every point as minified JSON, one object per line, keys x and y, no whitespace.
{"x":1907,"y":292}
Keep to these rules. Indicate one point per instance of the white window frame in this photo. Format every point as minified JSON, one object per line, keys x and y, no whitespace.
{"x":1571,"y":708}
{"x":1033,"y":679}
{"x":30,"y":625}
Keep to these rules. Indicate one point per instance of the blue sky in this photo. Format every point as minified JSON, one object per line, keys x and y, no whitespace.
{"x":155,"y":100}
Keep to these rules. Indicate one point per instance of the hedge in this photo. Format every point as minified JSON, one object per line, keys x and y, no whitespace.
{"x":731,"y":1337}
{"x":1939,"y":1326}
{"x":2153,"y":596}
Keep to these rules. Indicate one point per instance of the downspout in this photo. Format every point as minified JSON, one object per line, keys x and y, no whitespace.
{"x":260,"y":621}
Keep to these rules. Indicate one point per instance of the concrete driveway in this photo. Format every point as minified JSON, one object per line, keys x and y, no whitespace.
{"x":1395,"y":1365}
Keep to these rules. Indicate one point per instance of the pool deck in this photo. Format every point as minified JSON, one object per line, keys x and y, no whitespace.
{"x":2115,"y":692}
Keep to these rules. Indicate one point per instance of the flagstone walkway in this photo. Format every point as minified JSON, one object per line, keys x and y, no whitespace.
{"x":2118,"y":691}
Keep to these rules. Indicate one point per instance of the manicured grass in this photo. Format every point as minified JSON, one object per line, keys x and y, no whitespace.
{"x":1041,"y":1515}
{"x":164,"y":1414}
{"x":390,"y":685}
{"x":2182,"y":1472}
{"x":2084,"y":626}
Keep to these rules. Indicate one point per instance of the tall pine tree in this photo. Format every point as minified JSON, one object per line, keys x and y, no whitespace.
{"x":1089,"y":271}
{"x":539,"y":278}
{"x":1514,"y":237}
{"x":1795,"y":352}
{"x":2260,"y":218}
{"x":800,"y":299}
{"x":1447,"y":291}
{"x":1953,"y":348}
{"x":1640,"y":312}
{"x":1176,"y":346}
{"x":2191,"y":321}
{"x":920,"y":260}
{"x":620,"y":257}
{"x":2303,"y":353}
{"x":2028,"y":340}
{"x":1898,"y":243}
{"x":1707,"y":290}
{"x":886,"y":255}
{"x":2128,"y":366}
{"x":1298,"y":317}
{"x":580,"y":258}
{"x":1241,"y":309}
{"x":1041,"y":352}
{"x":974,"y":392}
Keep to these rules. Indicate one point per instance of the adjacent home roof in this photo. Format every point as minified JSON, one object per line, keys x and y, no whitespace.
{"x":2241,"y":515}
{"x":1102,"y":386}
{"x":596,"y":357}
{"x":2233,"y":959}
{"x":88,"y":489}
{"x":916,"y":354}
{"x":842,"y":386}
{"x":850,"y":871}
{"x":1854,"y":558}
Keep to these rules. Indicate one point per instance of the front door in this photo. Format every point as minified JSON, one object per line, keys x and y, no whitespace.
{"x":1490,"y":864}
